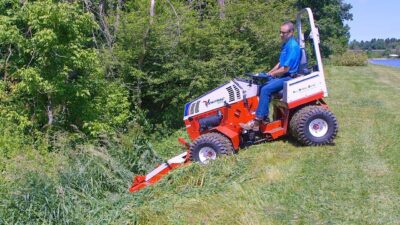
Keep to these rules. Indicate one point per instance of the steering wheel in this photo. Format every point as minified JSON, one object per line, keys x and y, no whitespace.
{"x":259,"y":78}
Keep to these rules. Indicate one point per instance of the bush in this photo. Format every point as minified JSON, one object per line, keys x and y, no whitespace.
{"x":350,"y":58}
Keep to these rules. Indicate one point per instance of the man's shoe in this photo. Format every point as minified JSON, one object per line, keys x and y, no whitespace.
{"x":253,"y":125}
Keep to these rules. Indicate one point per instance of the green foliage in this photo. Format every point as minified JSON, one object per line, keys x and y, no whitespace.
{"x":11,"y":139}
{"x":350,"y":58}
{"x":51,"y":71}
{"x":376,"y":54}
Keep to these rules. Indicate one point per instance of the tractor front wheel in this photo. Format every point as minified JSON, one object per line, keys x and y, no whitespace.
{"x":209,"y":146}
{"x":314,"y":125}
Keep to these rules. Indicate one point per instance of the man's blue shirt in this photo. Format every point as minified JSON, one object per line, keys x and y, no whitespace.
{"x":290,"y":55}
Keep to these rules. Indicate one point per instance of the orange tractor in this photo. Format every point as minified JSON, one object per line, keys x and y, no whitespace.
{"x":212,"y":120}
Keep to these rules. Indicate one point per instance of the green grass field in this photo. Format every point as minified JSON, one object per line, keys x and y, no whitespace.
{"x":354,"y":181}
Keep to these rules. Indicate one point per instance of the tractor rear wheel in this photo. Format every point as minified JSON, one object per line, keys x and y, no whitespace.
{"x":209,"y":146}
{"x":314,"y":125}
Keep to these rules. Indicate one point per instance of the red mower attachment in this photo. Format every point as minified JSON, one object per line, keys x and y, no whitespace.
{"x":140,"y":182}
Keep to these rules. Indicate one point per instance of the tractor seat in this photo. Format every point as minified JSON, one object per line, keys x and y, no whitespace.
{"x":303,"y":66}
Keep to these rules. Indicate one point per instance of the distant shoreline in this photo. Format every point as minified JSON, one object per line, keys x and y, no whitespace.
{"x":384,"y":59}
{"x":392,"y":62}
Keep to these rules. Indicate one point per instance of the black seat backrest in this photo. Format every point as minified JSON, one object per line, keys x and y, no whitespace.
{"x":303,"y":67}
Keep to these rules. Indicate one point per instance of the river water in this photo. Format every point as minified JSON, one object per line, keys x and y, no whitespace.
{"x":386,"y":62}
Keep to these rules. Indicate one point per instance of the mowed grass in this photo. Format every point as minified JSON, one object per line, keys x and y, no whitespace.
{"x":354,"y":181}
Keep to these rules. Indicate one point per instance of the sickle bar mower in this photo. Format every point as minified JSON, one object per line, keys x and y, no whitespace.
{"x":140,"y":182}
{"x":213,"y":119}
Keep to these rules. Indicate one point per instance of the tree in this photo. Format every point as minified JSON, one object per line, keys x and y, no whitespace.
{"x":52,"y":74}
{"x":221,"y":8}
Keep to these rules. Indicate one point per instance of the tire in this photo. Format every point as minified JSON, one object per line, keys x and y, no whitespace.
{"x":209,"y":146}
{"x":313,"y":126}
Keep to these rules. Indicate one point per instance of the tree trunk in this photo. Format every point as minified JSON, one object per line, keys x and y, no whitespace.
{"x":117,"y":16}
{"x":177,"y":18}
{"x":49,"y":109}
{"x":6,"y":63}
{"x":221,"y":4}
{"x":152,"y":13}
{"x":104,"y":25}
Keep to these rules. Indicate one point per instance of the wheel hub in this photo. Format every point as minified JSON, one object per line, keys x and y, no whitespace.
{"x":318,"y":127}
{"x":207,"y":154}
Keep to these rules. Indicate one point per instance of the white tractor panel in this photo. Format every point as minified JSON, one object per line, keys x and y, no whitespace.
{"x":302,"y":87}
{"x":229,"y":93}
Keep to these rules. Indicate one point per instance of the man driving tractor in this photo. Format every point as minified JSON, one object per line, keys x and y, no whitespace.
{"x":284,"y":70}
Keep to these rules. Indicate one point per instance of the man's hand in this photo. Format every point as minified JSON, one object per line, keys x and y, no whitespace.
{"x":263,"y":75}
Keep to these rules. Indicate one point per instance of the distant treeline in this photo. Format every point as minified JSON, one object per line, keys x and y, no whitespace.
{"x":376,"y":44}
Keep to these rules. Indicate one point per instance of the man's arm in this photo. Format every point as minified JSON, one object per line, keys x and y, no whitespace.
{"x":278,"y":71}
{"x":275,"y":68}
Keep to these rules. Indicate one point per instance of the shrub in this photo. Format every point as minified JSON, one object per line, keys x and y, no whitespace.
{"x":350,"y":58}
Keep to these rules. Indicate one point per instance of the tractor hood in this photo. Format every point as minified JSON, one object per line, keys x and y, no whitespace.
{"x":233,"y":91}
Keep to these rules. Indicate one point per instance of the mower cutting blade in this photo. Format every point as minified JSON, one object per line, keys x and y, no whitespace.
{"x":140,"y":182}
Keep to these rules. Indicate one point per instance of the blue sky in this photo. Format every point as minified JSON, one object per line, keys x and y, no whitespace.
{"x":374,"y":19}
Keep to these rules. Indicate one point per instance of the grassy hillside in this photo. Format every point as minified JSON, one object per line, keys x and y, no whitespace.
{"x":354,"y":181}
{"x":357,"y":180}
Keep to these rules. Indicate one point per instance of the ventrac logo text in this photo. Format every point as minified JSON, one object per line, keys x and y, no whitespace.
{"x":210,"y":102}
{"x":302,"y":89}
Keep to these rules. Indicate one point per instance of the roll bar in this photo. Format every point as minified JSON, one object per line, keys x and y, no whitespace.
{"x":314,"y":36}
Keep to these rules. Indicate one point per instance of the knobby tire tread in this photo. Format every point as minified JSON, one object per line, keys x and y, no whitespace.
{"x":222,"y":143}
{"x":298,"y":124}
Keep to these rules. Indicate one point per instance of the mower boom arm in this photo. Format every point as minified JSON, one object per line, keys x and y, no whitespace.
{"x":163,"y":169}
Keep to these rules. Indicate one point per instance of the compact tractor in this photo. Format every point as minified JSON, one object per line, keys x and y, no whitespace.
{"x":213,"y":119}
